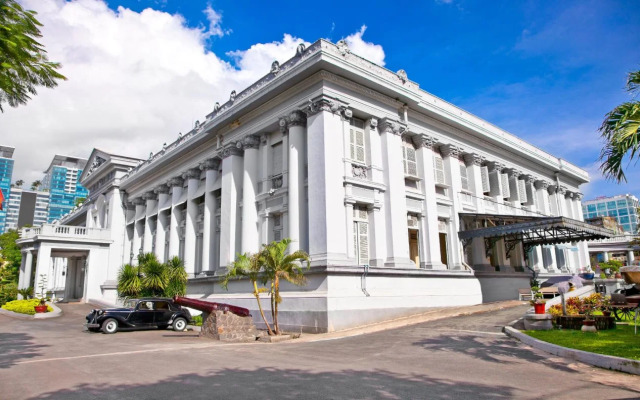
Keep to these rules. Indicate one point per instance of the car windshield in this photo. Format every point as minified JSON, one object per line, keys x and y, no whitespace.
{"x":131,"y":303}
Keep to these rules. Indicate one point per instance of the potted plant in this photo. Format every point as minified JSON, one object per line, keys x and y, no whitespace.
{"x":42,"y":307}
{"x":605,"y":305}
{"x":537,"y":301}
{"x":589,"y":305}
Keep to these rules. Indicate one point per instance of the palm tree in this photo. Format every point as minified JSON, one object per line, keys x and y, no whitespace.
{"x":152,"y":278}
{"x":19,"y":183}
{"x":620,"y":131}
{"x":279,"y":265}
{"x":249,"y":266}
{"x":35,"y":185}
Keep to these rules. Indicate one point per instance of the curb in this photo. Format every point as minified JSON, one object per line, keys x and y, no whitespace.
{"x":597,"y":360}
{"x":53,"y":314}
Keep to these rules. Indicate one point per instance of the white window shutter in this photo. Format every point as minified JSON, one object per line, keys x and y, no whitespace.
{"x":463,"y":176}
{"x":357,"y":140}
{"x":438,"y":169}
{"x":484,"y":174}
{"x":409,"y":158}
{"x":514,"y":192}
{"x":504,"y":181}
{"x":522,"y":191}
{"x":363,"y":236}
{"x":495,"y":181}
{"x":531,"y":194}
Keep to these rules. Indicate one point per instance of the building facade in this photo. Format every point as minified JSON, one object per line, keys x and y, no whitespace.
{"x":6,"y":174}
{"x":26,"y":208}
{"x":623,"y":208}
{"x":61,"y":181}
{"x":403,"y":201}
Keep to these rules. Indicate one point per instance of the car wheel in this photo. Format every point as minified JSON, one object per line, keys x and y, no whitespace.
{"x":110,"y":326}
{"x":179,"y":324}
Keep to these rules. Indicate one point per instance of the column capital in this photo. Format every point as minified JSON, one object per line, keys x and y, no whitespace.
{"x":326,"y":103}
{"x":211,"y":163}
{"x":164,"y":189}
{"x":512,"y":172}
{"x":541,"y":184}
{"x":250,"y":142}
{"x":562,"y":190}
{"x":426,"y":141}
{"x":150,"y":196}
{"x":193,"y":173}
{"x":138,"y":201}
{"x":297,"y":118}
{"x":530,"y":179}
{"x":373,"y":122}
{"x":496,"y":165}
{"x":569,"y":194}
{"x":391,"y":126}
{"x":232,"y":150}
{"x":175,"y":181}
{"x":450,"y":150}
{"x":578,"y":196}
{"x":473,"y":159}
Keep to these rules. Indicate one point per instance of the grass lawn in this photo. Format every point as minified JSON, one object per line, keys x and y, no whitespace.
{"x":619,"y":342}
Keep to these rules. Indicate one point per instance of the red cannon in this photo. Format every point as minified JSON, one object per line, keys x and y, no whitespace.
{"x":210,"y":307}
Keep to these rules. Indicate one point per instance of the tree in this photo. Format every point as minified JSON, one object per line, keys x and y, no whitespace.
{"x":620,"y":131}
{"x":249,"y":266}
{"x":23,"y":61}
{"x":35,"y":185}
{"x":280,"y":265}
{"x":151,"y":278}
{"x":10,"y":256}
{"x":19,"y":182}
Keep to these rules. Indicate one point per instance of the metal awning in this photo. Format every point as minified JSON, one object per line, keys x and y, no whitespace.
{"x":529,"y":230}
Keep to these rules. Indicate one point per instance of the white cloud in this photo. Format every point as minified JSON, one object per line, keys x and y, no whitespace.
{"x":368,"y":50}
{"x":134,"y":81}
{"x":215,"y":18}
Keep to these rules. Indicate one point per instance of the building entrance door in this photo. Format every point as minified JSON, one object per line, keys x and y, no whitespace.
{"x":414,"y":254}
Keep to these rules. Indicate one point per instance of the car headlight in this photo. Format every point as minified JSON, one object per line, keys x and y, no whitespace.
{"x":100,"y":312}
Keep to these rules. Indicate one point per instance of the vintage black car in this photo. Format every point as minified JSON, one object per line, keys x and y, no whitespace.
{"x":145,"y":313}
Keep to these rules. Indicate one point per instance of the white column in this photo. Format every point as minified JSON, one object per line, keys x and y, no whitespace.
{"x":298,"y":231}
{"x":208,"y":236}
{"x":174,"y":223}
{"x":193,"y":180}
{"x":534,"y":256}
{"x":430,"y":240}
{"x":151,"y":199}
{"x":42,"y":265}
{"x":395,"y":198}
{"x":583,"y":247}
{"x":327,"y":216}
{"x":28,"y":269}
{"x":474,"y":162}
{"x":451,"y":160}
{"x":543,"y":190}
{"x":250,"y":234}
{"x":232,"y":166}
{"x":161,"y":222}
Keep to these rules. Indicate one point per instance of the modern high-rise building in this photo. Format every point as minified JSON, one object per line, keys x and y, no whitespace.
{"x":61,"y":180}
{"x":623,"y":208}
{"x":6,"y":173}
{"x":26,"y":207}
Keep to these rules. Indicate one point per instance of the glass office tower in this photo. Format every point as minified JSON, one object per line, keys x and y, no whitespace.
{"x":62,"y":181}
{"x":6,"y":174}
{"x":623,"y":207}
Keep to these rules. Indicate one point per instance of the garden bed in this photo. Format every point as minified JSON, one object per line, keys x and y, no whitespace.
{"x":575,"y":322}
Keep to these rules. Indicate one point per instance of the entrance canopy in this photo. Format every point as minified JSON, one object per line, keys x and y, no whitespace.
{"x":530,"y":231}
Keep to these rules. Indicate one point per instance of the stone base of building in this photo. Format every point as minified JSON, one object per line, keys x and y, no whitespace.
{"x":228,"y":326}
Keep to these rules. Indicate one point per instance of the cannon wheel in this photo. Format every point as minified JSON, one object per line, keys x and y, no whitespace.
{"x":623,"y":312}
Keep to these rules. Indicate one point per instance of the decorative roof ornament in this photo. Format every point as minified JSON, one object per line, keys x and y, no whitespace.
{"x":150,"y":155}
{"x":300,"y":49}
{"x":164,"y":147}
{"x":179,"y":135}
{"x":232,"y":97}
{"x":196,"y":125}
{"x":275,"y":67}
{"x":402,"y":74}
{"x":216,"y":107}
{"x":343,"y":47}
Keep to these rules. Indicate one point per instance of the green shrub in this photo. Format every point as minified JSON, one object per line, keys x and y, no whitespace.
{"x":197,"y":320}
{"x":8,"y":292}
{"x":24,"y":306}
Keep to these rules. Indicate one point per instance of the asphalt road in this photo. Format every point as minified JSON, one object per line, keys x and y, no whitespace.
{"x":456,"y":358}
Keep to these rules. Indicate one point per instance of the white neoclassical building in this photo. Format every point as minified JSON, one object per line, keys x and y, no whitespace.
{"x":402,"y":200}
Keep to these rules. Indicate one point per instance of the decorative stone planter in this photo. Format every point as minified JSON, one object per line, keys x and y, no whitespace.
{"x":538,"y":322}
{"x":575,"y":322}
{"x":589,"y":325}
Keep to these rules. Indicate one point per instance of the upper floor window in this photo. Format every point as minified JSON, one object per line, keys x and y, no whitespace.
{"x":357,"y":140}
{"x":438,"y":169}
{"x":409,"y":159}
{"x":463,"y":176}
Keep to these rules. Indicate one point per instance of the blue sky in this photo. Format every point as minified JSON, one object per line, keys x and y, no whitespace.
{"x":545,"y":71}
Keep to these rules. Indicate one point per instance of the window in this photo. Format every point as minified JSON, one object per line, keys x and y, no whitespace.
{"x":463,"y":176}
{"x":622,"y":203}
{"x":611,"y":205}
{"x":409,"y":159}
{"x":484,"y":175}
{"x":361,"y":234}
{"x":591,"y":207}
{"x":277,"y":227}
{"x":276,"y":159}
{"x":504,"y":180}
{"x":601,"y":206}
{"x":522,"y":191}
{"x":357,"y":141}
{"x":438,"y":169}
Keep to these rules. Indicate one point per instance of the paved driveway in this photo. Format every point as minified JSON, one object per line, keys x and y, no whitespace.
{"x":463,"y":357}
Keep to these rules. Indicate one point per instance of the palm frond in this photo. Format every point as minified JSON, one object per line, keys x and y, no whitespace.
{"x":620,"y":131}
